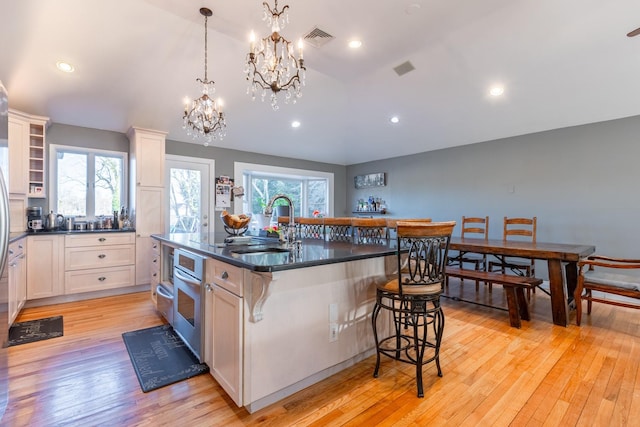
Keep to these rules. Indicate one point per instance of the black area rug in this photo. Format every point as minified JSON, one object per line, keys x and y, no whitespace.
{"x":35,"y":330}
{"x":160,"y":357}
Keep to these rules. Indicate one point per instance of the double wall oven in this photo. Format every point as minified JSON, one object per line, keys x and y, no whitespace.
{"x":188,"y":301}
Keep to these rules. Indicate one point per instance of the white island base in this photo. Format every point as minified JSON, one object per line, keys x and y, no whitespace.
{"x":286,"y":330}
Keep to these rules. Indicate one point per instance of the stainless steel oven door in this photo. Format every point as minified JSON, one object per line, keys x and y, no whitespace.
{"x":187,"y":310}
{"x":165,"y":302}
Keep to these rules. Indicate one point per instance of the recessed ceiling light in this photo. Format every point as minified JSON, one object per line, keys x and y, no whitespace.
{"x":496,"y":91}
{"x":394,"y":119}
{"x":65,"y":66}
{"x":295,"y":124}
{"x":354,"y":44}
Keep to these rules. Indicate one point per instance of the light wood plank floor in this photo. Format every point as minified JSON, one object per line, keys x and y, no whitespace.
{"x":494,"y":375}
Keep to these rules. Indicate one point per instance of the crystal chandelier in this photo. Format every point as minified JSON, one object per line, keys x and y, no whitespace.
{"x":203,"y":117}
{"x":271,"y":64}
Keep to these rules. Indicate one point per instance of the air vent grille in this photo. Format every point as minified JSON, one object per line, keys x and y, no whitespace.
{"x":317,"y":37}
{"x":404,"y":68}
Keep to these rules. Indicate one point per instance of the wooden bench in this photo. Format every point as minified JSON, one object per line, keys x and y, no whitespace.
{"x":513,"y":285}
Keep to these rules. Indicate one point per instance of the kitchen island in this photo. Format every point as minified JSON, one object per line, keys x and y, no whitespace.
{"x":278,"y":321}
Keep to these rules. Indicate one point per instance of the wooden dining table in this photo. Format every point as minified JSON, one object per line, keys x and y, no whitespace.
{"x":556,"y":254}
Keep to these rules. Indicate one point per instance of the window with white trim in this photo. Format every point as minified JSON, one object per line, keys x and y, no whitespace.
{"x":310,"y":191}
{"x":87,"y":182}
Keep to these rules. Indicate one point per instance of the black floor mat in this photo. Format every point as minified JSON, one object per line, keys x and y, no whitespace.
{"x":35,"y":330}
{"x":160,"y":357}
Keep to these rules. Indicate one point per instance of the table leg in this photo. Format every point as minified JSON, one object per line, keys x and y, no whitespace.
{"x":558,"y":288}
{"x":571,"y":273}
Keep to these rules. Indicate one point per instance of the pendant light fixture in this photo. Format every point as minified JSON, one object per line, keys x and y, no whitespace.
{"x":203,"y":117}
{"x":272,"y":66}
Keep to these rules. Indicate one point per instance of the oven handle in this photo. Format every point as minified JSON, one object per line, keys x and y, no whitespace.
{"x":162,"y":291}
{"x":179,"y":275}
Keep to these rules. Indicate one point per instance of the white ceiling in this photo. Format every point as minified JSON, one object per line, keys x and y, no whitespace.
{"x":562,"y":62}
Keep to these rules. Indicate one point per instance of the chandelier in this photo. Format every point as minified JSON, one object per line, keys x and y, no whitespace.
{"x":203,"y":117}
{"x":271,"y":64}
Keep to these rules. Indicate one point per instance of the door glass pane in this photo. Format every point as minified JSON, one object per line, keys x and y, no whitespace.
{"x":184,"y":200}
{"x":72,"y":183}
{"x":108,"y":181}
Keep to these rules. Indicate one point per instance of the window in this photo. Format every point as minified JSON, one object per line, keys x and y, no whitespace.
{"x":87,"y":182}
{"x":309,"y":190}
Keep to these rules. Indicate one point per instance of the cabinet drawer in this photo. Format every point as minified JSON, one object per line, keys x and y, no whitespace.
{"x":226,"y":276}
{"x":98,"y":279}
{"x":17,"y":248}
{"x":99,"y":239}
{"x":98,"y":257}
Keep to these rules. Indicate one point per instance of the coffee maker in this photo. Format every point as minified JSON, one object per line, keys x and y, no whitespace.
{"x":34,"y":218}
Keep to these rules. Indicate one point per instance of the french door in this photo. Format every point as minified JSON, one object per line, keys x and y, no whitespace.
{"x":189,"y":195}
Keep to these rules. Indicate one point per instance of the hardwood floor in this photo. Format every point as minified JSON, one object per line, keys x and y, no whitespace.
{"x":494,"y":375}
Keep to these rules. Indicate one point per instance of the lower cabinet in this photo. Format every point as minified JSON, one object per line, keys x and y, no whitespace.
{"x":17,"y":263}
{"x":45,"y":266}
{"x":223,"y":328}
{"x":65,"y":264}
{"x":99,"y":261}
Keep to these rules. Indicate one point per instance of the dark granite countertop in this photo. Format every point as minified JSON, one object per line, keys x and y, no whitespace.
{"x":312,"y":252}
{"x":21,"y":234}
{"x":60,"y":231}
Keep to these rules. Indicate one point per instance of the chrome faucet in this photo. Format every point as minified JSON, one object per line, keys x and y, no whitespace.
{"x":291,"y":229}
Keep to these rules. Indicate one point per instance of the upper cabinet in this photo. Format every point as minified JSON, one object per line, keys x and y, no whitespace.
{"x":147,"y":157}
{"x":27,"y":167}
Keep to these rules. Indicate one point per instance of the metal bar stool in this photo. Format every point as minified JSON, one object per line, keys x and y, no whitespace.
{"x":337,"y":229}
{"x":369,"y":230}
{"x":311,"y":228}
{"x":413,"y":297}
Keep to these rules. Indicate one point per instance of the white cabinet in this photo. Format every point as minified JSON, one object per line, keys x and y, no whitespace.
{"x":18,"y":154}
{"x":45,"y":266}
{"x":27,"y":168}
{"x":147,"y":156}
{"x":17,"y":277}
{"x":98,"y":261}
{"x":223,"y":327}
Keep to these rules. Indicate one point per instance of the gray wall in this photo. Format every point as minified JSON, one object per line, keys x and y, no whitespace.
{"x":580,"y":182}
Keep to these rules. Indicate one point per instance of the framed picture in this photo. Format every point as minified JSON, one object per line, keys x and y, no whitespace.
{"x":370,"y":180}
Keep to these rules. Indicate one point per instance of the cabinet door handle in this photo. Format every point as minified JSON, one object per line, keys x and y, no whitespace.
{"x":102,"y":279}
{"x":208,"y":287}
{"x":102,"y":239}
{"x":155,"y":260}
{"x":224,"y":275}
{"x":101,"y":256}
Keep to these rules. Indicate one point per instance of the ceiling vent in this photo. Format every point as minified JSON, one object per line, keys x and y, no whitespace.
{"x":404,"y":68}
{"x":317,"y":38}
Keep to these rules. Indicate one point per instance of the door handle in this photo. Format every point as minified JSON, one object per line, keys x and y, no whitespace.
{"x":102,"y":279}
{"x":101,"y":256}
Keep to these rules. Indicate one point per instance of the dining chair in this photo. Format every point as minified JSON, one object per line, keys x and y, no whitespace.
{"x":477,"y":227}
{"x":412,"y":298}
{"x":514,"y":229}
{"x":610,"y":277}
{"x":369,"y":230}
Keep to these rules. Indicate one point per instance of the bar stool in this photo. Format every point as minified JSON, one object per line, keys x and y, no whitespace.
{"x":337,"y":229}
{"x":369,"y":230}
{"x":392,"y":222}
{"x":311,"y":228}
{"x":413,"y":297}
